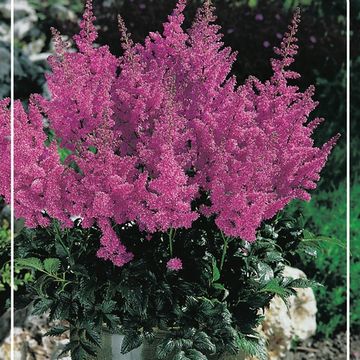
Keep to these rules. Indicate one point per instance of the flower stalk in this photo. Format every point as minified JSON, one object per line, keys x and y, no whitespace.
{"x":225,"y":248}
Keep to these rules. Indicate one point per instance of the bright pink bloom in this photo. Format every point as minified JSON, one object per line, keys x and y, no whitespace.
{"x":39,"y":190}
{"x":152,"y":131}
{"x":174,"y":264}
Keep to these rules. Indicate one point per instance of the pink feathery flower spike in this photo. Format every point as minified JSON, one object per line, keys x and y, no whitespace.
{"x":150,"y":132}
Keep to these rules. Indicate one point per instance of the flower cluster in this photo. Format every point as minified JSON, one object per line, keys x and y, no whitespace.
{"x":164,"y":125}
{"x":174,"y":264}
{"x":40,"y":193}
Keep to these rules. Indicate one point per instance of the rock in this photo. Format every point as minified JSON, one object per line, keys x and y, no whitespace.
{"x":282,"y":323}
{"x":303,"y":307}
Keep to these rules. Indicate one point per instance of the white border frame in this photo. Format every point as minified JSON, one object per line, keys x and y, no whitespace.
{"x":348,"y":192}
{"x":12,"y":295}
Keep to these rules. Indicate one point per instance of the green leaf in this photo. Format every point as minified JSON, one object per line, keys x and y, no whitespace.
{"x":219,"y":286}
{"x":108,"y":306}
{"x":274,"y":287}
{"x":56,"y":331}
{"x":181,"y":356}
{"x":42,"y":306}
{"x":52,"y":265}
{"x":215,"y":271}
{"x":203,"y":342}
{"x":30,"y":263}
{"x":165,"y":348}
{"x":322,"y":240}
{"x":131,"y":341}
{"x":194,"y":354}
{"x":265,"y":272}
{"x":93,"y":335}
{"x":253,"y":346}
{"x":303,"y":283}
{"x":64,"y":153}
{"x":60,"y":250}
{"x":68,"y":347}
{"x":88,"y":348}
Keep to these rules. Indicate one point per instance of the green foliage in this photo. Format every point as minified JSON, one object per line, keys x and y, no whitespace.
{"x":5,"y":272}
{"x":4,"y":237}
{"x":203,"y":311}
{"x":326,"y":214}
{"x":355,"y":173}
{"x":355,"y":257}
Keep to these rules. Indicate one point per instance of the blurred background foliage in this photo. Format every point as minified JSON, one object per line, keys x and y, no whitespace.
{"x":4,"y":48}
{"x":252,"y":27}
{"x":355,"y":165}
{"x":4,"y":257}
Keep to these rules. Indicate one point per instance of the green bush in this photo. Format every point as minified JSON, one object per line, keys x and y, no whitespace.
{"x":325,"y":214}
{"x":214,"y":297}
{"x":355,"y":257}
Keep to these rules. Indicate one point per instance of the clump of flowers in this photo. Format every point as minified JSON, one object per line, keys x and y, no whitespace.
{"x":163,"y":135}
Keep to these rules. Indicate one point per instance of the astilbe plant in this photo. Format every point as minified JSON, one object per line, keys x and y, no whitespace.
{"x":163,"y":135}
{"x":163,"y":144}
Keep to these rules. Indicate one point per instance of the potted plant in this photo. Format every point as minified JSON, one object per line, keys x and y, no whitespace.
{"x":151,"y":187}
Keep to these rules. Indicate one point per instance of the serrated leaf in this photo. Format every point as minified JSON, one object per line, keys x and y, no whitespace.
{"x":93,"y":335}
{"x":30,"y":263}
{"x":215,"y":272}
{"x":87,"y":347}
{"x":56,"y":330}
{"x":194,"y":354}
{"x":41,"y":306}
{"x":303,"y":283}
{"x":202,"y":342}
{"x":108,"y":306}
{"x":274,"y":287}
{"x":131,"y":341}
{"x":60,"y":250}
{"x":52,"y":265}
{"x":68,"y":347}
{"x":165,"y":348}
{"x":253,"y":346}
{"x":265,"y":272}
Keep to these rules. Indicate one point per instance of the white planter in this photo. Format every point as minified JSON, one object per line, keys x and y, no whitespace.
{"x":112,"y":349}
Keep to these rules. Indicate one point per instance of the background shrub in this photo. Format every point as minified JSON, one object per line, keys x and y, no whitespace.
{"x":4,"y":257}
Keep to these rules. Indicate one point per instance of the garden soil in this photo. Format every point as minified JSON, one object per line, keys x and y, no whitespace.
{"x":326,"y":349}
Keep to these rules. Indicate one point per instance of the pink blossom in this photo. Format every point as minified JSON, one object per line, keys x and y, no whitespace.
{"x":164,"y":125}
{"x":174,"y":264}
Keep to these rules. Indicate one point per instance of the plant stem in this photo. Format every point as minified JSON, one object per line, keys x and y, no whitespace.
{"x":171,"y":242}
{"x":226,"y":242}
